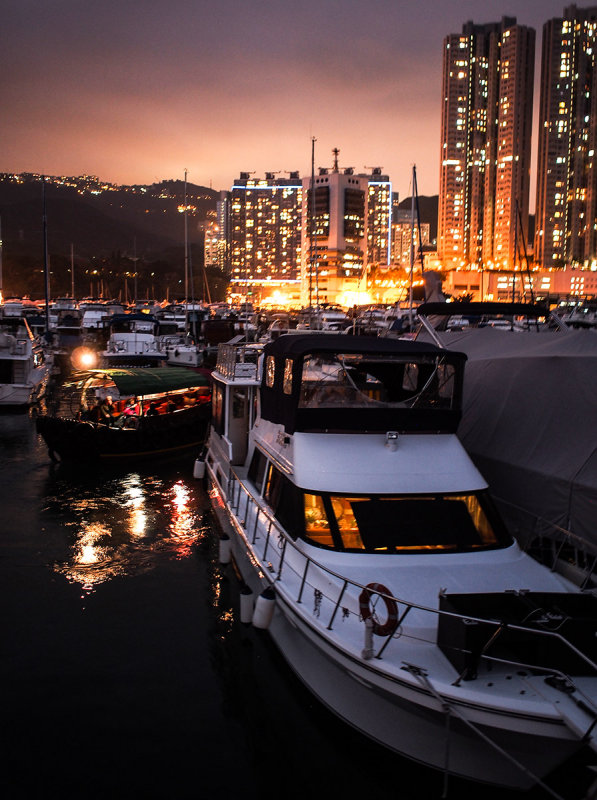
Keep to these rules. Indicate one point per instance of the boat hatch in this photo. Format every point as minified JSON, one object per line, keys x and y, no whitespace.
{"x":339,"y":383}
{"x":546,"y":630}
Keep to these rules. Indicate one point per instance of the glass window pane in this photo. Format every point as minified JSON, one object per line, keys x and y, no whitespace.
{"x":317,"y":526}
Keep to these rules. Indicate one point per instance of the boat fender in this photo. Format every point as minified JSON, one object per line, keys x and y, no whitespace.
{"x":247,"y":605}
{"x":199,"y":469}
{"x":389,"y":626}
{"x":367,"y":652}
{"x":225,"y":549}
{"x":264,"y":609}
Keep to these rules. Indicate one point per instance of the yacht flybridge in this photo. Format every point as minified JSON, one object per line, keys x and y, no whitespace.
{"x":380,"y":567}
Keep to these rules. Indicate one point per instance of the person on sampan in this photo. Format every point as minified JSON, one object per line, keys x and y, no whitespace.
{"x":132,"y":407}
{"x":108,"y":414}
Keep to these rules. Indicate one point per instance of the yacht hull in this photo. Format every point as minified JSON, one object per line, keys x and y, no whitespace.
{"x":403,"y":716}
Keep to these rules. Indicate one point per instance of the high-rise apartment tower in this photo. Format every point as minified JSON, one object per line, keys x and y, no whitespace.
{"x":486,"y":144}
{"x":566,"y":212}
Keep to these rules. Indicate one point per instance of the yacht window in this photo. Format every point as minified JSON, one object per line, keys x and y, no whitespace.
{"x":270,"y":371}
{"x":411,"y":377}
{"x":371,"y":381}
{"x":317,"y":526}
{"x":416,"y":523}
{"x":218,"y":411}
{"x":288,"y":376}
{"x":257,"y":469}
{"x":285,"y":500}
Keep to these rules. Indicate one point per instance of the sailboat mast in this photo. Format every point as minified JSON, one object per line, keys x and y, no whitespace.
{"x":186,"y":258}
{"x":46,"y":266}
{"x":72,"y":271}
{"x":312,"y":231}
{"x":1,"y":290}
{"x":412,"y":249}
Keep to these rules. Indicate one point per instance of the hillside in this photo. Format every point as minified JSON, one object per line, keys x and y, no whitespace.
{"x":115,"y":232}
{"x":98,"y":224}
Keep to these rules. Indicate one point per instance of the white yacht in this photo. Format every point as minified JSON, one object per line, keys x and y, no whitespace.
{"x":25,"y":368}
{"x":379,"y":566}
{"x":133,"y":342}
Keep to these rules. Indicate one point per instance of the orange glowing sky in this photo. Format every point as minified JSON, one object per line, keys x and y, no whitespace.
{"x":137,"y":91}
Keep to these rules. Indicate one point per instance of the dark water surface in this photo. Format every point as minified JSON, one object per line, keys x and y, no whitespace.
{"x":125,"y":670}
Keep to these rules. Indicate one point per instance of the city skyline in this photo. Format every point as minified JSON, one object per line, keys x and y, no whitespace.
{"x":141,"y":92}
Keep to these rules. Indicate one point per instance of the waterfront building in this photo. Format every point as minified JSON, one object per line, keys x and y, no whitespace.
{"x":486,"y":144}
{"x":566,"y":216}
{"x":334,"y":236}
{"x":402,"y":236}
{"x":264,"y":234}
{"x":379,"y":218}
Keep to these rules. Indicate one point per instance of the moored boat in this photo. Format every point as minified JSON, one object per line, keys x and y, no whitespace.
{"x":153,"y":411}
{"x":25,"y":367}
{"x":380,"y":566}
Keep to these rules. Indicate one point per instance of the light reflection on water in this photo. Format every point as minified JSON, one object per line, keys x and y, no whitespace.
{"x":121,"y":525}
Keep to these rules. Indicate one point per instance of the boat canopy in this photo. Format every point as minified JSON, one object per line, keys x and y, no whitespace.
{"x":529,"y":424}
{"x":342,"y":383}
{"x":140,"y":382}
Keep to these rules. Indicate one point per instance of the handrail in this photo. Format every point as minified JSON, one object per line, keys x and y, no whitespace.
{"x":235,"y":482}
{"x":561,"y":537}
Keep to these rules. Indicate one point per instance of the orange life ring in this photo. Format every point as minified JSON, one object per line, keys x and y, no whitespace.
{"x":389,"y":626}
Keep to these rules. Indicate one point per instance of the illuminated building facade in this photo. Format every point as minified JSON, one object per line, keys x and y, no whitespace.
{"x":566,"y":217}
{"x":334,"y":236}
{"x":264,"y":233}
{"x":486,"y":144}
{"x":402,"y":235}
{"x":379,"y":218}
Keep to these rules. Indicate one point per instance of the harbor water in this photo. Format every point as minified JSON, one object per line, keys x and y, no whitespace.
{"x":126,"y":670}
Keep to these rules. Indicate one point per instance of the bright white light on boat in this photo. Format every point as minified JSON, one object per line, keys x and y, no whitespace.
{"x":83,"y":358}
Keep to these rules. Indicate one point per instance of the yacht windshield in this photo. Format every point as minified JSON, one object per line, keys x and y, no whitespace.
{"x":358,"y":381}
{"x":417,"y":523}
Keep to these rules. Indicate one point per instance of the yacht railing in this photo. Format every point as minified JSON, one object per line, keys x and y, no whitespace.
{"x":556,"y":547}
{"x":278,"y":544}
{"x":237,"y":361}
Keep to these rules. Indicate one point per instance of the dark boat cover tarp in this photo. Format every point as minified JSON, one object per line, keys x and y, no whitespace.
{"x":530,"y":422}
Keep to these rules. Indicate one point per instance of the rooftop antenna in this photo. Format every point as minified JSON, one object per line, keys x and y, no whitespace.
{"x":336,"y":153}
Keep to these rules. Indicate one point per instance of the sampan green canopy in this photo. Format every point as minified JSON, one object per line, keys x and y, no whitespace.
{"x":143,"y":381}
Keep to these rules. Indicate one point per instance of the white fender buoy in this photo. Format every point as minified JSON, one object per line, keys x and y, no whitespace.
{"x":367,"y":651}
{"x":247,"y":604}
{"x":264,"y":609}
{"x":199,"y":469}
{"x":225,"y":549}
